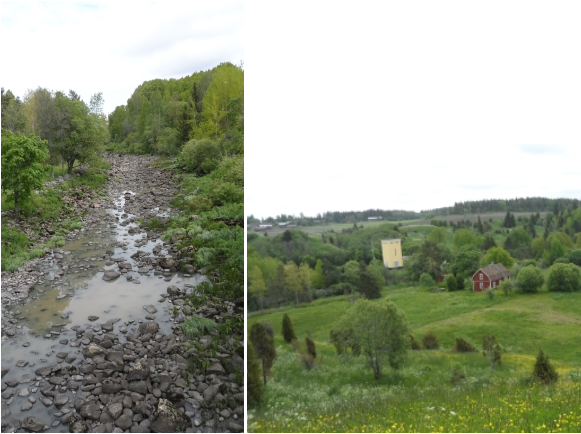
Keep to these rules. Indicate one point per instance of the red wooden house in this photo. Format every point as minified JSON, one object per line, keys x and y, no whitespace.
{"x":489,"y":277}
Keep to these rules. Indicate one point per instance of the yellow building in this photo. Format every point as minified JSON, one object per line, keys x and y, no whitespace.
{"x":391,"y":250}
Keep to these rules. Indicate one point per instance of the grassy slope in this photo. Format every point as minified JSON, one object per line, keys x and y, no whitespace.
{"x":522,"y":324}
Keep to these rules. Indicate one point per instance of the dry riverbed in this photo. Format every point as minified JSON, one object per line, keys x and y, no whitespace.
{"x":91,"y":333}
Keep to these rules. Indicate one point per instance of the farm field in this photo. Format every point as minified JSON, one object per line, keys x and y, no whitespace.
{"x":427,"y":395}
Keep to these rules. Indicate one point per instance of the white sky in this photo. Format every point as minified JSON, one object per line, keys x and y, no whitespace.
{"x":113,"y":47}
{"x":410,"y":105}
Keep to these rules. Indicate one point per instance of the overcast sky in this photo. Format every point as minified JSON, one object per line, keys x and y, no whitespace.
{"x":410,"y":105}
{"x":113,"y":47}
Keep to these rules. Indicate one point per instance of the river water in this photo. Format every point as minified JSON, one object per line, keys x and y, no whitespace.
{"x":45,"y":321}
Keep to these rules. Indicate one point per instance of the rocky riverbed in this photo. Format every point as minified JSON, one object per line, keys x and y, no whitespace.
{"x":91,"y":333}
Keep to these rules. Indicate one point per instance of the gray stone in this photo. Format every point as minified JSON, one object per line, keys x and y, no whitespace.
{"x":93,"y":318}
{"x":111,"y":387}
{"x":148,"y":327}
{"x":168,"y":263}
{"x":31,"y":423}
{"x":26,"y":406}
{"x":115,"y":409}
{"x":92,"y":350}
{"x":217,"y":369}
{"x":62,"y":355}
{"x":60,"y":400}
{"x":21,"y":363}
{"x":124,"y":422}
{"x":110,"y":275}
{"x":138,"y":372}
{"x":78,"y":425}
{"x":138,"y":387}
{"x":150,"y":308}
{"x":55,"y":380}
{"x":12,"y":382}
{"x":24,"y":392}
{"x":90,"y":411}
{"x":167,"y":418}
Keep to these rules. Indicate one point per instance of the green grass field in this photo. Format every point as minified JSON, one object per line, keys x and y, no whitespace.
{"x":341,"y":395}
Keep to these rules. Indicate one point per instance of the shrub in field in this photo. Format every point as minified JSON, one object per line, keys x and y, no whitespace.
{"x":458,"y":375}
{"x":544,"y":370}
{"x":254,"y":386}
{"x":530,"y":279}
{"x":490,"y":293}
{"x":451,"y":283}
{"x":460,"y":284}
{"x":427,"y":281}
{"x":288,"y":332}
{"x":463,"y":346}
{"x":506,"y":286}
{"x":564,"y":278}
{"x":311,"y":350}
{"x":430,"y":341}
{"x":492,"y":349}
{"x":201,"y":156}
{"x":414,"y":344}
{"x":264,"y":346}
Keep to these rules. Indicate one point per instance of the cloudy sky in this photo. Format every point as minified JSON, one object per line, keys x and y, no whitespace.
{"x":113,"y":47}
{"x":410,"y":105}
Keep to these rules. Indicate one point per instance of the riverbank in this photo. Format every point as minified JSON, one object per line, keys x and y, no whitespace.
{"x":104,"y":313}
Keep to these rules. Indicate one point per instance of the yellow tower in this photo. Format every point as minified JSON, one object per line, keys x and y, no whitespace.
{"x":391,"y":250}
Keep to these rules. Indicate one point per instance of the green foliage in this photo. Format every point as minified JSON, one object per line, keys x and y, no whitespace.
{"x":380,"y":328}
{"x":438,"y":235}
{"x":414,"y":344}
{"x":544,"y":370}
{"x":14,"y":247}
{"x":201,"y":156}
{"x":288,"y":331}
{"x":22,"y":168}
{"x":460,"y":283}
{"x":196,"y":326}
{"x":427,"y":281}
{"x":344,"y":339}
{"x":369,"y":285}
{"x":254,"y":385}
{"x":311,"y":349}
{"x":263,"y":344}
{"x":430,"y":341}
{"x":451,"y":282}
{"x":463,"y":346}
{"x":498,"y":255}
{"x":492,"y":349}
{"x":458,"y":375}
{"x":467,"y":260}
{"x":506,"y":286}
{"x":530,"y":279}
{"x":463,"y":237}
{"x":564,"y":278}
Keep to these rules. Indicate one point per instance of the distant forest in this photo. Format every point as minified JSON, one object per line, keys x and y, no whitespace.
{"x":528,"y":204}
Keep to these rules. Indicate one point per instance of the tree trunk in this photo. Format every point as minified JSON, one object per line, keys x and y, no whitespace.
{"x":263,"y":372}
{"x":70,"y":164}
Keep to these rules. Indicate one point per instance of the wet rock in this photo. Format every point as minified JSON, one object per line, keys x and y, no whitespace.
{"x":138,"y":387}
{"x":93,"y":318}
{"x":150,"y":308}
{"x":24,"y":392}
{"x":21,"y":363}
{"x":92,"y":351}
{"x":60,"y":400}
{"x":217,"y":369}
{"x":12,"y":382}
{"x":148,"y":327}
{"x":110,"y":387}
{"x":124,"y":422}
{"x":167,"y":418}
{"x":26,"y":406}
{"x":31,"y":423}
{"x":115,"y":409}
{"x":138,"y":372}
{"x":168,"y":262}
{"x":110,"y":275}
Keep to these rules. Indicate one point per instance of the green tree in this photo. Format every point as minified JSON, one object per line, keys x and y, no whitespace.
{"x":498,"y":255}
{"x":254,"y":386}
{"x":544,"y":370}
{"x":530,"y":279}
{"x":467,"y":260}
{"x":463,"y":237}
{"x":564,"y":278}
{"x":318,"y":276}
{"x":427,"y":281}
{"x":288,"y":331}
{"x":13,"y":114}
{"x":256,"y":284}
{"x":429,"y":259}
{"x":380,"y":328}
{"x":263,"y":344}
{"x":22,"y":168}
{"x":492,"y":349}
{"x":351,"y":272}
{"x":368,"y":284}
{"x":437,"y":235}
{"x":538,"y":246}
{"x":451,"y":282}
{"x":305,"y":277}
{"x":292,"y":281}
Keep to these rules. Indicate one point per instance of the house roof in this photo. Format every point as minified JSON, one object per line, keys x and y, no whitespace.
{"x":494,"y":271}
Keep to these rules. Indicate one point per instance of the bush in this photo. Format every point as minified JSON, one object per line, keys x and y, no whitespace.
{"x":460,"y":284}
{"x":458,"y":375}
{"x":254,"y":385}
{"x":311,"y":350}
{"x":201,"y":156}
{"x":463,"y":346}
{"x":427,"y":281}
{"x":530,"y":279}
{"x":343,"y":339}
{"x":414,"y":344}
{"x":543,"y":370}
{"x":430,"y":341}
{"x":451,"y":282}
{"x":564,"y":278}
{"x":288,"y":331}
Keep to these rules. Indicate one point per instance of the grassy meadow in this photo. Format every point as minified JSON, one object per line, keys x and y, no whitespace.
{"x":437,"y":390}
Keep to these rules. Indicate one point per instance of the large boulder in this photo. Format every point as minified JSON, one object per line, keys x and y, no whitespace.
{"x":167,"y":263}
{"x":92,"y":350}
{"x":167,"y":418}
{"x":148,"y":327}
{"x":138,"y":372}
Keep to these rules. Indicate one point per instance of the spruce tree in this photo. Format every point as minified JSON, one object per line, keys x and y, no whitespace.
{"x":543,"y":370}
{"x":311,"y":350}
{"x":254,"y":385}
{"x":288,"y":331}
{"x":264,"y":346}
